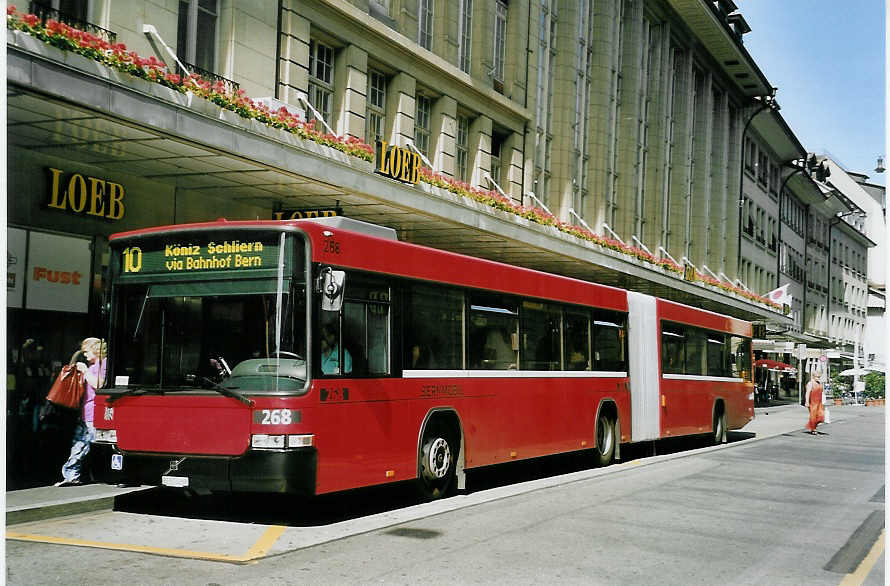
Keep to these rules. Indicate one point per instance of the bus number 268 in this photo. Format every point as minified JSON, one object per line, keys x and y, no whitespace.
{"x":273,"y":417}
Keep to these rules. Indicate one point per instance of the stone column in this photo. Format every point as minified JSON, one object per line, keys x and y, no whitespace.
{"x":400,"y":109}
{"x":293,"y":67}
{"x":444,"y":133}
{"x":351,"y":81}
{"x":480,"y":151}
{"x":511,"y":159}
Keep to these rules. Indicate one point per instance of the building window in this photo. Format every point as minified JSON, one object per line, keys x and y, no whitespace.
{"x":422,"y":125}
{"x":425,"y":24}
{"x":462,"y":146}
{"x":196,"y":33}
{"x":500,"y":41}
{"x":69,"y":9}
{"x":376,"y":114}
{"x":465,"y":36}
{"x":496,"y":143}
{"x":321,"y":80}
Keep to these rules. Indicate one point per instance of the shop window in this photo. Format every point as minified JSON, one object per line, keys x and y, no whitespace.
{"x":321,"y":80}
{"x":422,"y":128}
{"x":196,"y":33}
{"x":500,"y":44}
{"x":425,"y":24}
{"x":376,"y":111}
{"x":465,"y":36}
{"x":462,"y":146}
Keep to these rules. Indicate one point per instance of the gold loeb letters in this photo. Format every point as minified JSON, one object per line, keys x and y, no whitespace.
{"x":102,"y":198}
{"x":397,"y":163}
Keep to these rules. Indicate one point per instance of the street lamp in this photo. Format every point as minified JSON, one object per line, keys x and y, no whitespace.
{"x":880,"y":166}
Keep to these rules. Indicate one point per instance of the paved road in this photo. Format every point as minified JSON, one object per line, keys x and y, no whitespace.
{"x":790,"y":509}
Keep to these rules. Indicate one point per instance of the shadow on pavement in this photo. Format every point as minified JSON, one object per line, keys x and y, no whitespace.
{"x":328,"y":509}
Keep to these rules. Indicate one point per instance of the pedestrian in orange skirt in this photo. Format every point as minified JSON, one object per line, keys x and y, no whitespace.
{"x":814,"y":401}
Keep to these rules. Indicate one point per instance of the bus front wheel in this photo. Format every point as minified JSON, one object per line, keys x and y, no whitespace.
{"x":438,"y":461}
{"x":605,"y":440}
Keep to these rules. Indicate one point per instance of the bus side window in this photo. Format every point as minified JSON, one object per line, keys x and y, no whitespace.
{"x":717,"y":354}
{"x":577,"y":341}
{"x":434,"y":318}
{"x":541,"y":330}
{"x":493,"y":332}
{"x":696,"y":353}
{"x":609,"y":345}
{"x":673,"y":349}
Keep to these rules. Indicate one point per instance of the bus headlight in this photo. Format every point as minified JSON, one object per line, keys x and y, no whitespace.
{"x":264,"y":441}
{"x":300,"y":441}
{"x":106,"y":436}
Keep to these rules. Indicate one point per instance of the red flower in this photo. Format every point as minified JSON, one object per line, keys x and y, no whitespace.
{"x":10,"y":10}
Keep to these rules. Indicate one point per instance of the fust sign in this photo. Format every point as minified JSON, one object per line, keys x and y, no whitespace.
{"x":85,"y":195}
{"x":397,"y":163}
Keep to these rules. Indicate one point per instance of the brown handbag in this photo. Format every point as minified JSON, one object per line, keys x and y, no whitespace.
{"x":69,"y":388}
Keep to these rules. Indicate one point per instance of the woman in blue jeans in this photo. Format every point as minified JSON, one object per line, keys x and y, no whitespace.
{"x":94,"y":350}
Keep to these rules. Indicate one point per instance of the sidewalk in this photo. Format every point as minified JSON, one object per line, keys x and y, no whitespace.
{"x":46,"y":502}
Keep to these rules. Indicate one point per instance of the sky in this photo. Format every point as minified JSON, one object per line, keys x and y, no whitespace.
{"x":827,"y":59}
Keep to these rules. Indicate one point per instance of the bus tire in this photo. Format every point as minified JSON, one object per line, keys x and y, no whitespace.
{"x":719,"y":434}
{"x":605,"y":439}
{"x":437,"y":461}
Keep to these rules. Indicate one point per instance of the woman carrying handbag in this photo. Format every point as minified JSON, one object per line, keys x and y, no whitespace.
{"x":95,"y":351}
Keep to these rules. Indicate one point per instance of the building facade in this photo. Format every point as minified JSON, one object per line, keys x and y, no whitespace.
{"x":644,"y":123}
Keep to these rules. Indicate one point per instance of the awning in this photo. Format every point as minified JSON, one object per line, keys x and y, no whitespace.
{"x":775,"y":365}
{"x":856,"y":371}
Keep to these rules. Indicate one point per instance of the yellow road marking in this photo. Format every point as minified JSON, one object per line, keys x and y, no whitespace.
{"x":268,"y":539}
{"x":865,"y":566}
{"x":258,"y":549}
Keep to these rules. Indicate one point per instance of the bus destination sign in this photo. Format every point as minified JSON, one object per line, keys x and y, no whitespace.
{"x":184,"y":257}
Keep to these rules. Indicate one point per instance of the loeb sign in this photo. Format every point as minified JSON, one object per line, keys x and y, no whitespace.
{"x":102,"y":198}
{"x":397,"y":163}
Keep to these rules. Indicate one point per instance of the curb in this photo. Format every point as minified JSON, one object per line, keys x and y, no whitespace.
{"x":25,"y":514}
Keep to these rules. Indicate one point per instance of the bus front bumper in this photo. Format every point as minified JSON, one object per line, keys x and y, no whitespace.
{"x":289,"y":471}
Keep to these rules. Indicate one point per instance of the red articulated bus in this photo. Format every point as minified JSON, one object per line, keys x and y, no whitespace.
{"x":311,"y":356}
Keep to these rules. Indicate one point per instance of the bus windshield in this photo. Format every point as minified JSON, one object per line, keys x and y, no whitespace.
{"x":243,"y":331}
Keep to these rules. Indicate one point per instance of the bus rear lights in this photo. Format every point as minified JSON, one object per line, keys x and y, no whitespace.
{"x":390,"y":473}
{"x":278,"y":442}
{"x":106,"y":436}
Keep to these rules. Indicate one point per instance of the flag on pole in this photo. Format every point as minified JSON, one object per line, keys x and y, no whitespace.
{"x":781,"y":296}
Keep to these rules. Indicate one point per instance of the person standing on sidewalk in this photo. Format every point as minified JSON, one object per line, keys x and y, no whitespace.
{"x":95,"y":351}
{"x":814,"y":401}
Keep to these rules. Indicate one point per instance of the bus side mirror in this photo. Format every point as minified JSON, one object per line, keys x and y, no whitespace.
{"x":330,"y":284}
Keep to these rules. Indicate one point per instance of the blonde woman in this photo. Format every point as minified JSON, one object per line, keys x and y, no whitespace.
{"x":94,"y":351}
{"x":814,"y":401}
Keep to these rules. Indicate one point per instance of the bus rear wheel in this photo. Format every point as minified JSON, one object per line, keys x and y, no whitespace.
{"x":605,"y":440}
{"x":719,"y":434}
{"x":438,"y":462}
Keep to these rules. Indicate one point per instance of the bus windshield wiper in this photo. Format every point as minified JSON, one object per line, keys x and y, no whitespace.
{"x":229,"y":392}
{"x":141,"y":312}
{"x":133,"y":391}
